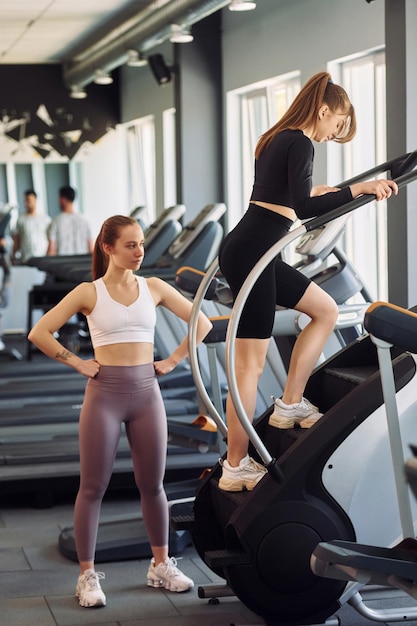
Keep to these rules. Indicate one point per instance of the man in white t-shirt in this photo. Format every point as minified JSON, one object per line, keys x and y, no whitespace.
{"x":30,"y":237}
{"x":69,"y":232}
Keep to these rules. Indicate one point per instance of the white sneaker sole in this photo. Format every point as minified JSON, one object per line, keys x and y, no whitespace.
{"x":161,"y":584}
{"x":237,"y":485}
{"x":98,"y":603}
{"x":284,"y":423}
{"x":278,"y":421}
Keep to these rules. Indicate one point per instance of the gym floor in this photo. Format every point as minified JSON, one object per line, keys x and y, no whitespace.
{"x":37,"y":583}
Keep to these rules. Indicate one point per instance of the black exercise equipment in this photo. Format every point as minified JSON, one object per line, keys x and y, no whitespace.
{"x":261,"y":541}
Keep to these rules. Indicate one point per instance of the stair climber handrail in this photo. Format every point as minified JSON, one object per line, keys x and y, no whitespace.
{"x":243,"y":294}
{"x":192,"y":347}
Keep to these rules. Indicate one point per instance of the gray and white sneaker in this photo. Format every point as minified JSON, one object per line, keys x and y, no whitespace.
{"x":168,"y":576}
{"x":245,"y":476}
{"x":286,"y":416}
{"x":88,"y":590}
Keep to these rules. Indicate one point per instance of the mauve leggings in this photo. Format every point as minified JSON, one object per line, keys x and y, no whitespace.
{"x":131,"y":395}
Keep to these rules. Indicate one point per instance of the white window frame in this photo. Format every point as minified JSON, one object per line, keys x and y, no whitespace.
{"x":169,"y":157}
{"x":244,"y":130}
{"x":365,"y":238}
{"x":140,"y":146}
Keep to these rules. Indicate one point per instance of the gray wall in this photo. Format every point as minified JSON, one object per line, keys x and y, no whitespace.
{"x":195,"y":92}
{"x":199,"y":117}
{"x":141,"y":96}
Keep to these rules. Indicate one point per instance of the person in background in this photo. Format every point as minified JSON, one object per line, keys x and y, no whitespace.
{"x":120,"y":307}
{"x":69,"y":232}
{"x":283,"y":192}
{"x":30,"y":237}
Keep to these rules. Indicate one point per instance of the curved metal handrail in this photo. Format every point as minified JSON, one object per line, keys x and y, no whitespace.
{"x":192,"y":347}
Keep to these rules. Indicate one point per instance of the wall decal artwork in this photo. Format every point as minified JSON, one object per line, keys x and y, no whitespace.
{"x":38,"y":116}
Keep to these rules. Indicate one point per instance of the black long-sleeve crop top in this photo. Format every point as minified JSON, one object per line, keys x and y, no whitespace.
{"x":283,"y":175}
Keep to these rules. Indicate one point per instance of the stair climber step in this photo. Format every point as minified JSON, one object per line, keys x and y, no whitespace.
{"x":357,"y":374}
{"x":182,"y":516}
{"x":225,"y":558}
{"x":338,"y":382}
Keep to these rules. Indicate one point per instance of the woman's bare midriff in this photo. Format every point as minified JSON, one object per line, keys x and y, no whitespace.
{"x":125,"y":354}
{"x":285,"y":211}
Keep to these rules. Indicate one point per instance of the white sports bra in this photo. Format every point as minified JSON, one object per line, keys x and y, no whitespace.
{"x":111,"y":322}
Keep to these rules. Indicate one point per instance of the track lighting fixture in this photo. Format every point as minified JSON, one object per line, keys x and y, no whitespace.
{"x":101,"y":77}
{"x":135,"y":59}
{"x":77,"y":93}
{"x":180,"y":34}
{"x":242,"y":5}
{"x":159,"y":69}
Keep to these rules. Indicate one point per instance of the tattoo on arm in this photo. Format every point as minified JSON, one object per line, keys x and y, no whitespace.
{"x":64,"y":355}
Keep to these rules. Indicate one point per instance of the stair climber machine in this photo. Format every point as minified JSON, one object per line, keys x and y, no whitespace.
{"x":261,"y":541}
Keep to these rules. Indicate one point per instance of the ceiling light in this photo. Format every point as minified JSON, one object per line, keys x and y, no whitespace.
{"x":77,"y":93}
{"x":180,"y":34}
{"x":135,"y":59}
{"x":102,"y":78}
{"x":242,"y":5}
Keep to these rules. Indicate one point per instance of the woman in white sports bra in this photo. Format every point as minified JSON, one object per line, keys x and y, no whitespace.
{"x":122,"y":387}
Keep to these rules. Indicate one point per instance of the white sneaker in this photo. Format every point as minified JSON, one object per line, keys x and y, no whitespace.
{"x":302,"y":413}
{"x":245,"y":476}
{"x":168,"y":576}
{"x":88,"y":591}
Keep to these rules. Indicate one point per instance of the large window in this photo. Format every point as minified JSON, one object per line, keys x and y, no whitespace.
{"x":141,"y":164}
{"x":250,"y":112}
{"x":255,"y":108}
{"x":365,"y":239}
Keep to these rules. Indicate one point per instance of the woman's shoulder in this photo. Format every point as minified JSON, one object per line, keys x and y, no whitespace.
{"x":291,"y":139}
{"x":160,"y":289}
{"x":153,"y":282}
{"x":86,"y":288}
{"x":294,"y":136}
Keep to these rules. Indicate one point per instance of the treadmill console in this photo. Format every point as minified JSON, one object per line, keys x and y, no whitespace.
{"x":210,"y":213}
{"x":317,"y":243}
{"x":171,"y":214}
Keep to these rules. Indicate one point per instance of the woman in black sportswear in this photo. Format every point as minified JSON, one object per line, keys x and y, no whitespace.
{"x":283,"y":192}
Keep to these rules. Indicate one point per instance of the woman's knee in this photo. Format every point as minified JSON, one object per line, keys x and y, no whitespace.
{"x":319,"y":305}
{"x":92,"y":492}
{"x":250,"y":357}
{"x":331,"y":311}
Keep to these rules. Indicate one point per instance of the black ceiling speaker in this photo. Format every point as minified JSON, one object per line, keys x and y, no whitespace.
{"x":159,"y":69}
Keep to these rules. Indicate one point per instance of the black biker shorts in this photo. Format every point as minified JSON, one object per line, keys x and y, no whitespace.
{"x":279,"y":284}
